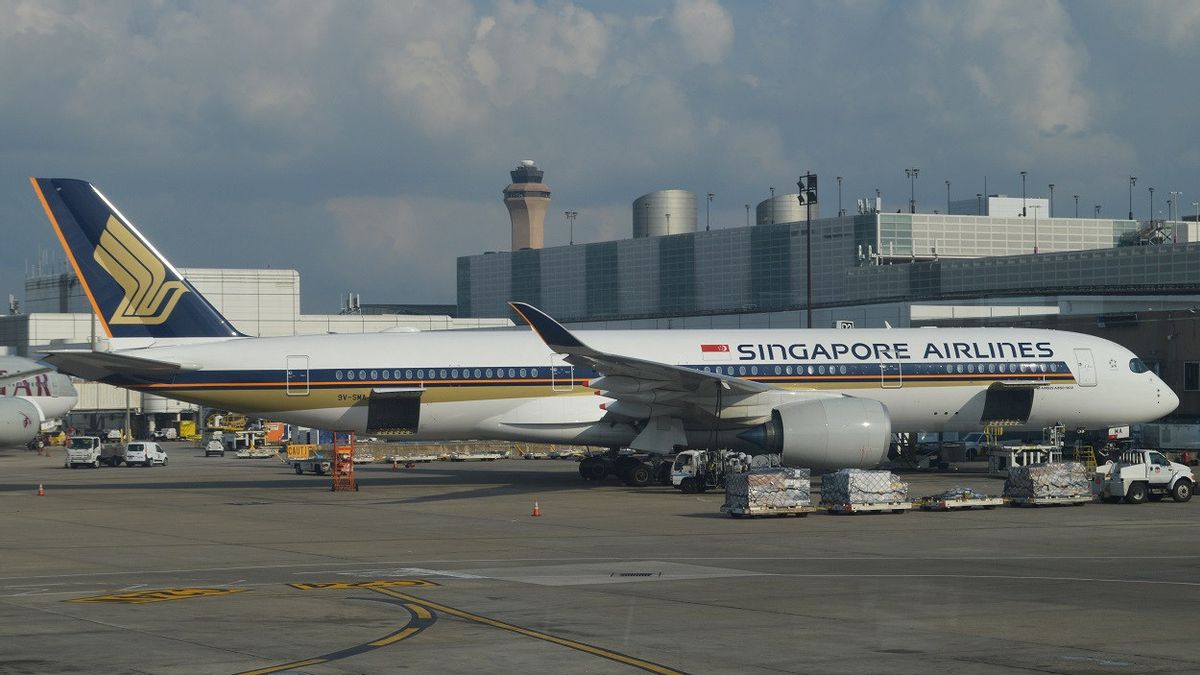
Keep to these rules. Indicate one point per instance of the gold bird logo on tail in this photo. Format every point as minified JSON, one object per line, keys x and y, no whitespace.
{"x":149,"y":297}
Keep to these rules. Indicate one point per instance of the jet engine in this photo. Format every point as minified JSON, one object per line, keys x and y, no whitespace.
{"x":20,"y":422}
{"x":827,"y":433}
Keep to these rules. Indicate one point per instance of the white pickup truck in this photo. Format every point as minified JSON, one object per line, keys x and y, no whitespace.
{"x":1140,"y":475}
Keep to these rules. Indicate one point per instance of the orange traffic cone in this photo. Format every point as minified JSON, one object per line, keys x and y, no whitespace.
{"x":537,"y":510}
{"x":42,"y":493}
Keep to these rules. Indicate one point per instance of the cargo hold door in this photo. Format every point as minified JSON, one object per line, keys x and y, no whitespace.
{"x":394,"y":412}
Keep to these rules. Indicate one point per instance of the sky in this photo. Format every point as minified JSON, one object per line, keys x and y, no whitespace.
{"x":366,"y":144}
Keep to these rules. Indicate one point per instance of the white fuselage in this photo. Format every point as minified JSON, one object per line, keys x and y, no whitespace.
{"x":26,"y":403}
{"x":509,"y":385}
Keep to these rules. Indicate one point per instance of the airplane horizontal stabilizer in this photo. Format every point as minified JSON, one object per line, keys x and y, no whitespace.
{"x":9,"y":378}
{"x":94,"y":365}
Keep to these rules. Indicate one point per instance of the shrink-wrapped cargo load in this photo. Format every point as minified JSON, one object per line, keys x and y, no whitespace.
{"x":1056,"y":480}
{"x":767,"y":488}
{"x":859,"y":486}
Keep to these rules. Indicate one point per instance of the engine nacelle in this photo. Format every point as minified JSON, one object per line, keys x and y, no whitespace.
{"x":829,"y":433}
{"x":20,"y":421}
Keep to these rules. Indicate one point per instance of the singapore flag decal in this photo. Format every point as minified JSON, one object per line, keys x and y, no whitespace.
{"x":715,"y":352}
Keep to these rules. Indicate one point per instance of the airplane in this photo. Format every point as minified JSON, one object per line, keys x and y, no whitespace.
{"x":31,"y":395}
{"x":822,"y":399}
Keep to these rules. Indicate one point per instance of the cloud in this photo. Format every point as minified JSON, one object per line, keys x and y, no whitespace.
{"x":1173,"y":23}
{"x":704,"y":29}
{"x":1022,"y":59}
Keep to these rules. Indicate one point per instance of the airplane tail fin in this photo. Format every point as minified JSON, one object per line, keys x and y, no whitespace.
{"x":134,"y":290}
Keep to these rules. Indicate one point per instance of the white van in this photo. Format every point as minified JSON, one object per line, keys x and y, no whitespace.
{"x":145,"y":453}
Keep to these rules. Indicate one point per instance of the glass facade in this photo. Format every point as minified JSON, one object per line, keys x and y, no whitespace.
{"x":758,"y":275}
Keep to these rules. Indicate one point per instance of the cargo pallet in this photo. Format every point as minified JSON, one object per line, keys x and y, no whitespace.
{"x":1077,"y":500}
{"x":894,"y":507}
{"x":959,"y":504}
{"x":768,"y":511}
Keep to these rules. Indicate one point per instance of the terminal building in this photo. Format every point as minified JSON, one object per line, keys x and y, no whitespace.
{"x":983,"y":262}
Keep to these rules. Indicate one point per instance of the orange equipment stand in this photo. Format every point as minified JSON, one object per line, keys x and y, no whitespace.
{"x":343,"y":462}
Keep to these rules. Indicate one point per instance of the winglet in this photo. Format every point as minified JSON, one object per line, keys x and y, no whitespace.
{"x":552,"y":332}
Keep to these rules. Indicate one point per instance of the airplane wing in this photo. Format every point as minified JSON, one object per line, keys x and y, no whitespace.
{"x":93,"y":365}
{"x":652,"y":374}
{"x":658,"y":398}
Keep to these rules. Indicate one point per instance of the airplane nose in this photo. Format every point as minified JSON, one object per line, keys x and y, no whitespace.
{"x":1168,"y":399}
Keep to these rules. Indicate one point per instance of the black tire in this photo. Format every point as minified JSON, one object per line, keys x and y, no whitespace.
{"x":1137,"y":494}
{"x":598,"y":470}
{"x":95,"y":463}
{"x":622,"y":465}
{"x":593,"y":469}
{"x":639,"y":475}
{"x":689,"y":486}
{"x":299,"y":470}
{"x":1182,"y":491}
{"x":165,"y":460}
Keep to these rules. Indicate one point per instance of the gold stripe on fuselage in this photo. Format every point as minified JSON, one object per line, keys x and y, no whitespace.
{"x":274,"y":397}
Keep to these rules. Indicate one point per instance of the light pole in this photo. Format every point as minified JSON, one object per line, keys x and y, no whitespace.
{"x":571,"y":220}
{"x":912,"y":188}
{"x":747,"y":214}
{"x":807,"y":192}
{"x":1196,"y":205}
{"x":1151,"y":205}
{"x":979,"y":203}
{"x":841,"y":211}
{"x":1035,"y":208}
{"x":668,"y":224}
{"x":708,"y":213}
{"x":1132,"y":182}
{"x":1023,"y":211}
{"x":947,"y":196}
{"x":771,"y":210}
{"x":1096,"y":211}
{"x":1176,"y":196}
{"x":1051,"y":201}
{"x":1076,"y":206}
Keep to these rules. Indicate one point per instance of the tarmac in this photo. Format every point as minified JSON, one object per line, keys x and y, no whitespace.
{"x":225,"y":565}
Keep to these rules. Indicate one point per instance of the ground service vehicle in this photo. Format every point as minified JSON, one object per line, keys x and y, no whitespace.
{"x":216,"y":445}
{"x":699,"y":470}
{"x":635,"y":468}
{"x":83,"y":451}
{"x":306,"y":458}
{"x":146,"y":453}
{"x":1140,"y":475}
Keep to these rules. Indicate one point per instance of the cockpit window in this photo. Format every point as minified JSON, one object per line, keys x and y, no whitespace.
{"x":1137,"y":366}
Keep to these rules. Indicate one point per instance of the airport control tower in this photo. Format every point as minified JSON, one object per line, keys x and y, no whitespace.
{"x":527,"y":200}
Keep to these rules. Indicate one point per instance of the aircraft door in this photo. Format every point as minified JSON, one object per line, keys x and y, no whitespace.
{"x":296,"y":375}
{"x":1085,"y":368}
{"x":562,"y":378}
{"x":890,"y":375}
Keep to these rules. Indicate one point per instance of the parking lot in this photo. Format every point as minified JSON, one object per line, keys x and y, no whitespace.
{"x":237,"y":565}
